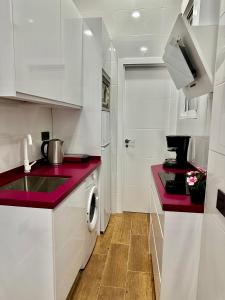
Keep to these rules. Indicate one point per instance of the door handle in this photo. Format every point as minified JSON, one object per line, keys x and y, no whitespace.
{"x":127,"y":141}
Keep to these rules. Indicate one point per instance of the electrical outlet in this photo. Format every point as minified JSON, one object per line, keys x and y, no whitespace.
{"x":220,"y":204}
{"x":45,"y":135}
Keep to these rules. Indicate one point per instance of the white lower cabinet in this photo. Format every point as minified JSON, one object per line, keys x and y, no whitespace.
{"x":211,"y":273}
{"x":175,"y":239}
{"x":41,"y":250}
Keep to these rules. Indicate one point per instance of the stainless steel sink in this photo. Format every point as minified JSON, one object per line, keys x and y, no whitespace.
{"x":35,"y":184}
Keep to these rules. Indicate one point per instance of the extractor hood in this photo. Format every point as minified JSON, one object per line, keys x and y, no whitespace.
{"x":190,"y":57}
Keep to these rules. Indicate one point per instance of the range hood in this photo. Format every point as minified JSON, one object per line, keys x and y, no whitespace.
{"x":190,"y":57}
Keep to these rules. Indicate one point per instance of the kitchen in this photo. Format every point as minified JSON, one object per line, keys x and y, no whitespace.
{"x":101,"y":82}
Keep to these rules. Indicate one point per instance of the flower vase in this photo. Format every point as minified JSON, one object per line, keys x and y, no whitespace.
{"x":197,"y":195}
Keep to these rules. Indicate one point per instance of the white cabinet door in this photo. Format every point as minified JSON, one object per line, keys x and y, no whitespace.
{"x":211,"y":274}
{"x":37,"y":45}
{"x":105,"y":187}
{"x":71,"y":23}
{"x":107,"y":48}
{"x":217,"y":136}
{"x":69,"y":237}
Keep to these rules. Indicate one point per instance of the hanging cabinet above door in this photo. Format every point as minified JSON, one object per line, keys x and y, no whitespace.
{"x":39,"y":39}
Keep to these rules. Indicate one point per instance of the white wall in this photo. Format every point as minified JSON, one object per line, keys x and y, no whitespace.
{"x":212,"y":262}
{"x":16,"y":121}
{"x":198,"y":128}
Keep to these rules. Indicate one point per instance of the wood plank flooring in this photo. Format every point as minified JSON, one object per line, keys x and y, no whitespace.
{"x":120,"y":266}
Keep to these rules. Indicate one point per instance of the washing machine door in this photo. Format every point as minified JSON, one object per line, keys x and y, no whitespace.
{"x":92,"y":209}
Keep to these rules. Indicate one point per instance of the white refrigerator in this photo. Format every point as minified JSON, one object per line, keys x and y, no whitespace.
{"x":105,"y":175}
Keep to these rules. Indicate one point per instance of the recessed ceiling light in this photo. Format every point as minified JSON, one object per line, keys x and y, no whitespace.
{"x":112,"y":49}
{"x":143,"y":49}
{"x":136,"y":14}
{"x":88,"y":32}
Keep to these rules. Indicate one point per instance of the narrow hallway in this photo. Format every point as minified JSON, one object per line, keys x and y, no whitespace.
{"x":120,"y":267}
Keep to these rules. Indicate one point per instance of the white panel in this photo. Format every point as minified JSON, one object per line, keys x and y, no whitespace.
{"x":105,"y":128}
{"x":106,"y":45}
{"x":69,"y":240}
{"x":217,"y":142}
{"x":211,"y":278}
{"x":105,"y":187}
{"x":37,"y":42}
{"x":129,"y":46}
{"x":222,"y":7}
{"x":146,"y":116}
{"x":7,"y":71}
{"x":82,"y":129}
{"x":26,"y":254}
{"x":156,"y":203}
{"x":182,"y":238}
{"x":220,"y":56}
{"x":211,"y":274}
{"x":158,"y":237}
{"x":71,"y":24}
{"x":156,"y":272}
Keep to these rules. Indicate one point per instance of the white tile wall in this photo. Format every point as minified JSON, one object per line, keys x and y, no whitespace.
{"x":212,"y":272}
{"x":16,"y":121}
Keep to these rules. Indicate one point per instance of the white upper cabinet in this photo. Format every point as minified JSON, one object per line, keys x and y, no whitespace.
{"x":37,"y":46}
{"x":107,"y":49}
{"x":71,"y":26}
{"x":41,"y":51}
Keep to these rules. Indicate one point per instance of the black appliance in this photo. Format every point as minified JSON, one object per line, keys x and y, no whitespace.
{"x":174,"y":183}
{"x":178,"y":144}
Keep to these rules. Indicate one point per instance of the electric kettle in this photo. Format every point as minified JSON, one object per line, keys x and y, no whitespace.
{"x":54,"y":152}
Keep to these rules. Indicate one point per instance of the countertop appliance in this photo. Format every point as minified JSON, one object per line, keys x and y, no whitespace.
{"x":174,"y":183}
{"x":178,"y":144}
{"x":54,"y":153}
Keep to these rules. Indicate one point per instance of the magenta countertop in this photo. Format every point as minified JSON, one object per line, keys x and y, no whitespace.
{"x":172,"y":202}
{"x":75,"y":171}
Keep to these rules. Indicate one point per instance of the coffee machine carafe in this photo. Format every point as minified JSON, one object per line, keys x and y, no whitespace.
{"x":178,"y":144}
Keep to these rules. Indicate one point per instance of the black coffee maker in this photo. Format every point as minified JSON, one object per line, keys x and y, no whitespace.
{"x":178,"y":144}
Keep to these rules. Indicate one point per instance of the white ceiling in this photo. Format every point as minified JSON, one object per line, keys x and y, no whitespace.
{"x":150,"y":30}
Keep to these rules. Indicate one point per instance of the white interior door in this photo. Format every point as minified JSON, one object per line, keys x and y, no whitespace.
{"x":146,"y":112}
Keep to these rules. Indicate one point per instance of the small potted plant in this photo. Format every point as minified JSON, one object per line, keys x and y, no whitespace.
{"x":196,"y":181}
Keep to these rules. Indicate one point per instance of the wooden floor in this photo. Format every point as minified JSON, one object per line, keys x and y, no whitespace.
{"x":120,"y":267}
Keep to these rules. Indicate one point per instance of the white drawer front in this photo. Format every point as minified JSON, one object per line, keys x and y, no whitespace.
{"x":158,"y":238}
{"x":156,"y":272}
{"x":158,"y":206}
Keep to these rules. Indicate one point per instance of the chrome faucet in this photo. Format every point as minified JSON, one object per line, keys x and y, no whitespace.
{"x":27,"y":141}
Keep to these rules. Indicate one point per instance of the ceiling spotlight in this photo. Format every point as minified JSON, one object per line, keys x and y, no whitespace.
{"x":136,"y":14}
{"x":143,"y":49}
{"x":112,"y":49}
{"x":88,"y":32}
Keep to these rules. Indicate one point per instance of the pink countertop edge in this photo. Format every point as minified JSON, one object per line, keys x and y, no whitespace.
{"x":172,"y":202}
{"x":75,"y":171}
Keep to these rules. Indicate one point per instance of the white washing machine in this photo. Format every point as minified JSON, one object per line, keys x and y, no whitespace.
{"x":92,"y":215}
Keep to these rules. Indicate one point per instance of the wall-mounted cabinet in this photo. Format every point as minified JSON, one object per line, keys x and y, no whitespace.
{"x":72,"y":33}
{"x":41,"y":56}
{"x":101,"y":34}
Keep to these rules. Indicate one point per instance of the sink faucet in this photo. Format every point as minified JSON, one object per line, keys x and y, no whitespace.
{"x":27,"y":141}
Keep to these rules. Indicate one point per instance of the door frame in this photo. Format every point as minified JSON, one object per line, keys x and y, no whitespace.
{"x":122,"y":64}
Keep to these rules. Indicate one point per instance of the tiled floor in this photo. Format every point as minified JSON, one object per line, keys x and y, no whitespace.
{"x":119,"y":268}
